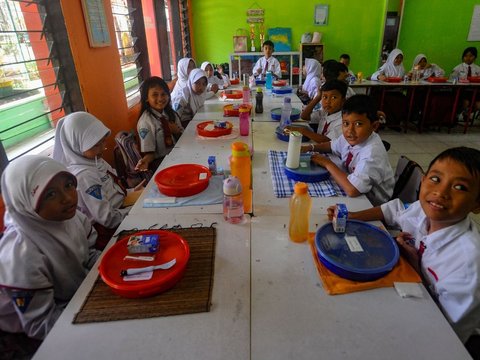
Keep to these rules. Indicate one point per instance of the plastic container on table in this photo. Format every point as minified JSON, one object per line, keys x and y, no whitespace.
{"x":282,"y":90}
{"x":362,"y":253}
{"x":208,"y":129}
{"x":300,"y":207}
{"x":183,"y":180}
{"x":234,"y":109}
{"x":286,"y":112}
{"x":276,"y":114}
{"x":232,"y":94}
{"x":437,"y":79}
{"x":393,"y":79}
{"x":241,"y":167}
{"x":307,"y":171}
{"x":244,"y":117}
{"x":232,"y":200}
{"x":171,"y":246}
{"x":246,"y":95}
{"x":269,"y":80}
{"x":259,"y":101}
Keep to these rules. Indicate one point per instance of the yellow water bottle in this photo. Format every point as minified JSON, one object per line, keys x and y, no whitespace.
{"x":300,"y":207}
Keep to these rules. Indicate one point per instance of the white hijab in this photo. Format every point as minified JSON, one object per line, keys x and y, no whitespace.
{"x":313,"y":71}
{"x":182,"y":75}
{"x":36,"y":253}
{"x":389,"y":69}
{"x":196,"y":101}
{"x":75,"y":134}
{"x":417,"y":59}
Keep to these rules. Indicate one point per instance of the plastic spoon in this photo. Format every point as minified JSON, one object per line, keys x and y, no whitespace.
{"x":133,"y":271}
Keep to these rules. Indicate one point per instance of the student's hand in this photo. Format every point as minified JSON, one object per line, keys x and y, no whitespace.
{"x":330,"y":211}
{"x":300,"y":129}
{"x":214,"y":88}
{"x":382,"y":77}
{"x":142,"y":165}
{"x":306,"y":148}
{"x":140,"y":186}
{"x":321,"y":160}
{"x":174,"y":128}
{"x":408,"y":250}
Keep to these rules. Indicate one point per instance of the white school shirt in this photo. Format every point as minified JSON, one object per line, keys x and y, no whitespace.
{"x":389,"y":69}
{"x":273,"y":66}
{"x":369,"y":171}
{"x":334,"y":121}
{"x":150,"y":131}
{"x":462,"y":69}
{"x":450,"y":263}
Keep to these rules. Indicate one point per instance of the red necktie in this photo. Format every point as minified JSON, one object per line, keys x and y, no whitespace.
{"x":325,"y":128}
{"x":469,"y":73}
{"x":421,"y":249}
{"x":349,"y":159}
{"x":266,"y":67}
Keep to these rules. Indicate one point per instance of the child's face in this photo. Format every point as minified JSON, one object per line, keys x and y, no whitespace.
{"x":200,"y":86}
{"x":345,"y":61}
{"x":191,"y":66}
{"x":342,"y":76}
{"x":398,"y":60}
{"x":469,"y":58}
{"x":58,"y":201}
{"x":97,"y":150}
{"x":267,"y":50}
{"x":332,"y":101}
{"x":357,"y":128}
{"x":209,"y":70}
{"x":422,"y":63}
{"x":448,"y":193}
{"x":157,"y":98}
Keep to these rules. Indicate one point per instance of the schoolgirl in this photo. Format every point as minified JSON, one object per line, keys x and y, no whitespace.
{"x":184,"y":67}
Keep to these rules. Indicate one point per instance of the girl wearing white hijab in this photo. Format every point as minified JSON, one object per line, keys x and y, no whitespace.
{"x":79,"y":144}
{"x":313,"y":71}
{"x":192,"y":97}
{"x":47,"y":247}
{"x":214,"y":82}
{"x":184,"y":67}
{"x":393,"y":67}
{"x":425,"y":69}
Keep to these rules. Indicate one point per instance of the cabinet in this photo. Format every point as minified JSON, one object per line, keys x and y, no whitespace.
{"x":243,"y":63}
{"x":310,"y":50}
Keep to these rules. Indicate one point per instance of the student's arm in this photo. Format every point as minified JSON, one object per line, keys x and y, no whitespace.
{"x":378,"y":75}
{"x":319,"y":138}
{"x":145,"y":161}
{"x":371,"y":214}
{"x":307,"y":111}
{"x":257,"y":69}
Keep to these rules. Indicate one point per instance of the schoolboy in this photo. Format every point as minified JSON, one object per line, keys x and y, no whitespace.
{"x":439,"y":239}
{"x":267,"y":62}
{"x":365,"y":168}
{"x":329,"y":117}
{"x":345,"y":59}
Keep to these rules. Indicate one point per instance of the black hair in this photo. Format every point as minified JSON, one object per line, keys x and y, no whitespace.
{"x":332,"y":69}
{"x":345,"y":56}
{"x":470,"y":49}
{"x":149,"y":83}
{"x":361,"y":104}
{"x":269,"y":43}
{"x":335,"y":84}
{"x":466,"y":156}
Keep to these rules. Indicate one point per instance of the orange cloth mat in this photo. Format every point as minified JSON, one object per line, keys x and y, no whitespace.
{"x":335,"y":285}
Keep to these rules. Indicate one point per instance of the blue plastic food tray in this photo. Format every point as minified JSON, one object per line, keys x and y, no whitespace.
{"x":362,"y":253}
{"x":286,"y":137}
{"x":307,"y":171}
{"x":259,"y":82}
{"x":276,"y":114}
{"x":282,"y":90}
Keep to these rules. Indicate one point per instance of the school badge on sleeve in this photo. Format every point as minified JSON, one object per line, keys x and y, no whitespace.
{"x":143,"y":132}
{"x":21,"y":298}
{"x":95,"y":191}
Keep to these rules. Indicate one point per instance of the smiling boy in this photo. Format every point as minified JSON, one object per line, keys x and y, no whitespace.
{"x":365,"y":167}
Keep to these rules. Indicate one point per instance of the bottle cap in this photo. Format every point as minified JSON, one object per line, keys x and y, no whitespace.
{"x":243,"y":109}
{"x":300,"y":188}
{"x":232,"y":186}
{"x":240,"y":149}
{"x":246,"y":88}
{"x":259,"y":90}
{"x":287,"y":100}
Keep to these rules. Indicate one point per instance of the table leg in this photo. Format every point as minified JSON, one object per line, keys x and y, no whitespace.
{"x":455,"y":104}
{"x":410,"y":107}
{"x":467,"y":121}
{"x":425,"y":108}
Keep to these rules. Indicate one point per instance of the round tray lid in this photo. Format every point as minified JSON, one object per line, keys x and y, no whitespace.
{"x":279,"y":83}
{"x":234,"y":109}
{"x":363,"y":251}
{"x":208,"y":129}
{"x":183,"y":179}
{"x":232,"y":94}
{"x":307,"y":171}
{"x":281,"y":90}
{"x":276,"y":114}
{"x":286,"y":137}
{"x":171,"y":246}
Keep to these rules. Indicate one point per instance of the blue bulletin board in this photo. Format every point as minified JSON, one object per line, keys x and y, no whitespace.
{"x":281,"y":38}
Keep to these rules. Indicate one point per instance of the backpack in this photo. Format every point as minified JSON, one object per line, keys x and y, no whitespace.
{"x":126,"y":156}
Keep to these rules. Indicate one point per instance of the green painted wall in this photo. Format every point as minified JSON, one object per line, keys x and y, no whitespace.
{"x":352,"y":27}
{"x":437,"y":28}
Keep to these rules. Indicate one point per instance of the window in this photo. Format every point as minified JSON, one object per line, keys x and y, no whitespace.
{"x":32,"y":92}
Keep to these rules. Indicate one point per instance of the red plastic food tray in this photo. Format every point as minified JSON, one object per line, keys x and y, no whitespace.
{"x":232,"y":94}
{"x":234,"y":81}
{"x":183,"y":180}
{"x":393,"y":79}
{"x":437,"y":79}
{"x":216,"y":131}
{"x":474,"y":79}
{"x":171,"y":246}
{"x":234,"y":110}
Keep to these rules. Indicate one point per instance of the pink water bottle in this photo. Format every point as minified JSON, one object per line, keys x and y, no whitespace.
{"x":246,"y":95}
{"x":232,"y":200}
{"x":244,"y":115}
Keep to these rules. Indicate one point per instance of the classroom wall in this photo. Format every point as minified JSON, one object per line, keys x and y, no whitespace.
{"x":438,"y":29}
{"x":99,"y":72}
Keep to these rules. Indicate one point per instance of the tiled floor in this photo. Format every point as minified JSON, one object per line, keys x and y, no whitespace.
{"x":423,"y":147}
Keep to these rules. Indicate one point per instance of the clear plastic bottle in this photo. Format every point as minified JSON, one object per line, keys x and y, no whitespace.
{"x":244,"y":118}
{"x":259,"y":101}
{"x":300,"y":206}
{"x":286,"y":112}
{"x":232,"y":200}
{"x":241,"y":167}
{"x":269,"y":81}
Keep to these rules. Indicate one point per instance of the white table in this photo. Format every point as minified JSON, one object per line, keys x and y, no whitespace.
{"x":223,"y":333}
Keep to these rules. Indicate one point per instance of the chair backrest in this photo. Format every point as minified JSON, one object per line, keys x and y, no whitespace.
{"x":408,"y":176}
{"x":127,"y":155}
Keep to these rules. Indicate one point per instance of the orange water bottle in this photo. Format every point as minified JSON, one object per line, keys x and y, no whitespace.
{"x":241,"y":167}
{"x":300,"y":206}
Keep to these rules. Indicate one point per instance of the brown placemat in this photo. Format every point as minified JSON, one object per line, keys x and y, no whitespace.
{"x":192,"y":294}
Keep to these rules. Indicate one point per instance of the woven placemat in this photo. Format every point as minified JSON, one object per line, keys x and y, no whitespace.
{"x":192,"y":294}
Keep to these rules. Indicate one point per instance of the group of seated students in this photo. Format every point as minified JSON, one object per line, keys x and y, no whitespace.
{"x":58,"y":209}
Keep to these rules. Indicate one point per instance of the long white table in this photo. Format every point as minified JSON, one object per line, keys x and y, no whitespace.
{"x":268,"y":301}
